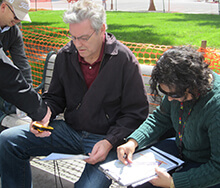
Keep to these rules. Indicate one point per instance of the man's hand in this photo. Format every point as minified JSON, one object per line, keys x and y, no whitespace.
{"x":44,"y":122}
{"x":163,"y":178}
{"x":46,"y":118}
{"x":126,"y":151}
{"x":99,"y":152}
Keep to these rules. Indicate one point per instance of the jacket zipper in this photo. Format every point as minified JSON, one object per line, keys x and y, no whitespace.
{"x":77,"y":108}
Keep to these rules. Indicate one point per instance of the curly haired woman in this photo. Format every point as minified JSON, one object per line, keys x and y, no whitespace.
{"x":191,"y":105}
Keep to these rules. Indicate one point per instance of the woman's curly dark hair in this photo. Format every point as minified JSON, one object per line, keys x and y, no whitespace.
{"x":182,"y":68}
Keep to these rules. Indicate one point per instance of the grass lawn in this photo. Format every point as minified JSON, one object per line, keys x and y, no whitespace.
{"x":155,"y":28}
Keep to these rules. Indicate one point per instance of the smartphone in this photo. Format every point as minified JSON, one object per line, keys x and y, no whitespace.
{"x":40,"y":128}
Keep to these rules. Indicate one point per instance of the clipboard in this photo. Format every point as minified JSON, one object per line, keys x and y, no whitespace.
{"x":142,"y":169}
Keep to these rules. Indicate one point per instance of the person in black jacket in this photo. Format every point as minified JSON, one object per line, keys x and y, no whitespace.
{"x":15,"y":89}
{"x":11,"y":13}
{"x":97,"y":83}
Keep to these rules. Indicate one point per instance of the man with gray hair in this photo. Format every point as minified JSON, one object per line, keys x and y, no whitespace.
{"x":11,"y":13}
{"x":98,"y":85}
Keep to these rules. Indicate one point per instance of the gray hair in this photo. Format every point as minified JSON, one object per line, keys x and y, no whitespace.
{"x":86,"y":9}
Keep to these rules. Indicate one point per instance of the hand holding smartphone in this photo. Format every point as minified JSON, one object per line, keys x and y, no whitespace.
{"x":40,"y":128}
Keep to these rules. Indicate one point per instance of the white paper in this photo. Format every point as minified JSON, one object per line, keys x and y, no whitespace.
{"x":142,"y":169}
{"x":179,"y":161}
{"x":128,"y":174}
{"x":60,"y":156}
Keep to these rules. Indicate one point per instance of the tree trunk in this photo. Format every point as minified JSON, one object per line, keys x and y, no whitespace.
{"x":152,"y":6}
{"x":111,"y":4}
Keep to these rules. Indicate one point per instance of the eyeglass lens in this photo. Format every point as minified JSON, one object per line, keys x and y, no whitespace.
{"x":173,"y":95}
{"x":82,"y":38}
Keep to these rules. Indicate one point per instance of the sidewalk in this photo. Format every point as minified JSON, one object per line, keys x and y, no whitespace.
{"x":181,"y":6}
{"x":70,"y":171}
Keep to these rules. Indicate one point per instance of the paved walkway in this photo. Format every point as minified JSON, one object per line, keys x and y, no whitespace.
{"x":183,"y":6}
{"x":69,"y":172}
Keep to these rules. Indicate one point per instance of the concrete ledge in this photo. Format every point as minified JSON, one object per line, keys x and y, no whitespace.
{"x":70,"y":171}
{"x":43,"y":179}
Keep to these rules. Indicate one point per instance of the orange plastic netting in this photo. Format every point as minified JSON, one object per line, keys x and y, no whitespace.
{"x":212,"y":57}
{"x":146,"y":53}
{"x":40,"y":40}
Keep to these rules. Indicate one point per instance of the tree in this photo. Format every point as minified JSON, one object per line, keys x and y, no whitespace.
{"x":111,"y":4}
{"x":152,"y":6}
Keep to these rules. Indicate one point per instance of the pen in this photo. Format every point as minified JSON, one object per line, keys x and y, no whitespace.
{"x":125,"y":156}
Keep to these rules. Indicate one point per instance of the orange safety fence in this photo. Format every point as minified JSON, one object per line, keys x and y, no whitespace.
{"x":212,"y":57}
{"x":146,"y":53}
{"x":40,"y":40}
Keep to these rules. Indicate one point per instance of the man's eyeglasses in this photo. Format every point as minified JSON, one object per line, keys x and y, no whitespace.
{"x":15,"y":17}
{"x":172,"y":95}
{"x":83,"y":38}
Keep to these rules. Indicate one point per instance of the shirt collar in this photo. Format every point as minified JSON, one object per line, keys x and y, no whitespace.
{"x":6,"y":28}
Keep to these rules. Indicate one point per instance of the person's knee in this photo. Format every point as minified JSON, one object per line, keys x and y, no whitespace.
{"x":5,"y":137}
{"x":10,"y":135}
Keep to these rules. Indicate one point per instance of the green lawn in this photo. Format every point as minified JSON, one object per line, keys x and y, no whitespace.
{"x":155,"y":28}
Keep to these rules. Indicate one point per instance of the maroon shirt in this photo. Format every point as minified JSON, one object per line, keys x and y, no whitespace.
{"x":90,"y":71}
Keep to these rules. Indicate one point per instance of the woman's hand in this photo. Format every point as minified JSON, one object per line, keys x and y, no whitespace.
{"x":163,"y":178}
{"x":126,"y":151}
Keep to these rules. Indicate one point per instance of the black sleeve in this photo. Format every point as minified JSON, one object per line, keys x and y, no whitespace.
{"x":15,"y":89}
{"x":16,"y":49}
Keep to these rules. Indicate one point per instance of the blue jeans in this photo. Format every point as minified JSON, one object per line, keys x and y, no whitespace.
{"x":17,"y":144}
{"x":169,"y":146}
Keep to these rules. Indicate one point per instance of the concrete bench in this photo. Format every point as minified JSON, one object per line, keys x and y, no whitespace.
{"x":70,"y":170}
